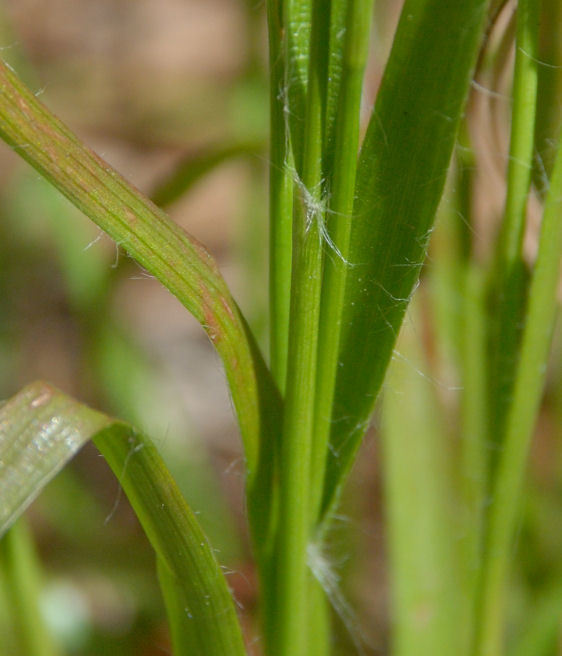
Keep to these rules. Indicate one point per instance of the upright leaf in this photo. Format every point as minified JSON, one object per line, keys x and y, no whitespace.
{"x":428,"y":600}
{"x":401,"y":174}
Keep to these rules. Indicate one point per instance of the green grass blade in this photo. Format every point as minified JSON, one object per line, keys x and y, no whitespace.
{"x":180,"y":262}
{"x":469,"y":286}
{"x":400,"y":178}
{"x":541,"y":634}
{"x":297,"y":25}
{"x":427,"y":607}
{"x":522,"y":131}
{"x":21,"y":569}
{"x":510,"y":277}
{"x":42,"y":428}
{"x":280,"y":197}
{"x":177,"y":609}
{"x":291,"y":614}
{"x":338,"y":35}
{"x":527,"y":390}
{"x":342,"y":160}
{"x":549,"y":95}
{"x":195,"y":166}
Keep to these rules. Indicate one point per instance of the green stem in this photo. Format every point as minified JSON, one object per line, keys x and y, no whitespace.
{"x":522,"y":131}
{"x":291,"y":635}
{"x":549,"y":95}
{"x":510,"y":278}
{"x":472,"y":330}
{"x":21,"y":569}
{"x":473,"y":404}
{"x":420,"y":502}
{"x":339,"y":216}
{"x":521,"y":417}
{"x":190,"y":170}
{"x":280,"y":201}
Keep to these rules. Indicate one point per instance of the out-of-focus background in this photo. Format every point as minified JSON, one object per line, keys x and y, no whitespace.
{"x":151,"y":85}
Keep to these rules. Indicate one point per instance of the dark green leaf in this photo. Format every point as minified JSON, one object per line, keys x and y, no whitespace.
{"x":402,"y":170}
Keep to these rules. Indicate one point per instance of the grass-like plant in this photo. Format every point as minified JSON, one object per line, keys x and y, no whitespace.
{"x":350,"y":221}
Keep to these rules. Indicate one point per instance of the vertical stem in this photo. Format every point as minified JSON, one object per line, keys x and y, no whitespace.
{"x":473,"y":403}
{"x":523,"y":409}
{"x":549,"y":94}
{"x":339,"y":217}
{"x":280,"y":201}
{"x":291,"y":620}
{"x":510,"y":272}
{"x":508,"y":350}
{"x":420,"y":500}
{"x":522,"y":131}
{"x":472,"y":359}
{"x":18,"y":558}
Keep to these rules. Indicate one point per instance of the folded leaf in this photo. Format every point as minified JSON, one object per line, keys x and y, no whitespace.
{"x":41,"y":429}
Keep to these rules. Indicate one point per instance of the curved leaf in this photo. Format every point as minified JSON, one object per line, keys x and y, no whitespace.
{"x":41,"y":429}
{"x":195,"y":166}
{"x":164,"y":249}
{"x":400,"y":178}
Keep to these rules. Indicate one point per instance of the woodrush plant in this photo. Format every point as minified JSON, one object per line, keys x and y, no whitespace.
{"x":349,"y":229}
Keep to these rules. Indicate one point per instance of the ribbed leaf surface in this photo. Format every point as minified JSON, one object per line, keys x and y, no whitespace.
{"x":401,"y":174}
{"x":41,"y":429}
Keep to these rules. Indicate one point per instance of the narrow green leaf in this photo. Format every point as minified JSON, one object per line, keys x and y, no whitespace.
{"x":41,"y":429}
{"x":469,"y":288}
{"x":428,"y":610}
{"x":195,"y":166}
{"x":280,"y":196}
{"x":541,"y":634}
{"x":291,"y":616}
{"x":297,"y":17}
{"x":352,"y":19}
{"x":549,"y":95}
{"x":401,"y":174}
{"x":341,"y":12}
{"x":527,"y":390}
{"x":180,"y":262}
{"x":22,"y":573}
{"x":510,"y":277}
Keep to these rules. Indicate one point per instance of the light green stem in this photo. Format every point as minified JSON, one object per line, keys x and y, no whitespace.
{"x":280,"y":201}
{"x":522,"y":131}
{"x":473,"y":405}
{"x":291,"y":620}
{"x":509,"y":276}
{"x":339,"y":218}
{"x":19,"y":560}
{"x":531,"y":370}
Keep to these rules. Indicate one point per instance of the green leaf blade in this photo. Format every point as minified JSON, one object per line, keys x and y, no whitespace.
{"x":42,"y":428}
{"x":428,"y":598}
{"x":164,"y":249}
{"x":35,"y":444}
{"x":401,"y":174}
